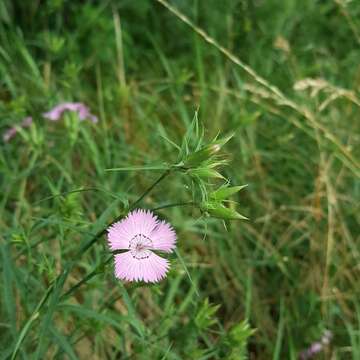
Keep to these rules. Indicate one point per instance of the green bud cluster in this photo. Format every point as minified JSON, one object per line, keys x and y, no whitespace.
{"x":215,"y":206}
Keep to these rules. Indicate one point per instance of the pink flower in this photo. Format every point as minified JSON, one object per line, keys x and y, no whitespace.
{"x":81,"y":109}
{"x":140,"y":233}
{"x":317,"y":346}
{"x":11,"y":132}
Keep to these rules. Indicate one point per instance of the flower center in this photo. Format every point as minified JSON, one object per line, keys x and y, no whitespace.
{"x":140,"y":246}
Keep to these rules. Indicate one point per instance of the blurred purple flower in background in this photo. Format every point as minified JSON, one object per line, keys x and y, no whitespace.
{"x":11,"y":132}
{"x":54,"y":114}
{"x":81,"y":109}
{"x":317,"y":346}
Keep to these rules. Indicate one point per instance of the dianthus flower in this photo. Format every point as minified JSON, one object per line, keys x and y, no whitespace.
{"x":139,"y":235}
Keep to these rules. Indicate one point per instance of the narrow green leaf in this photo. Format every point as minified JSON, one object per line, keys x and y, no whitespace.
{"x":225,"y":192}
{"x":205,"y":173}
{"x":280,"y":333}
{"x":32,"y":318}
{"x":63,"y":343}
{"x":219,"y":211}
{"x":8,"y":295}
{"x":132,"y":314}
{"x":140,"y":168}
{"x":115,"y":320}
{"x":43,"y":338}
{"x":187,"y":272}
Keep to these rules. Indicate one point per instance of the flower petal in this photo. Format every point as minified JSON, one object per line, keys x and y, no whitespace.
{"x":11,"y":132}
{"x":119,"y":235}
{"x":143,"y":221}
{"x":163,"y":237}
{"x":151,"y":269}
{"x":81,"y":109}
{"x":55,"y":113}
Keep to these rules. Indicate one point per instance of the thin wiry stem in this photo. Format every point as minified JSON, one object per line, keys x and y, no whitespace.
{"x":162,"y":177}
{"x":189,"y":203}
{"x":85,"y":279}
{"x":103,"y":231}
{"x":64,"y":274}
{"x":96,"y":271}
{"x":30,"y":320}
{"x":133,"y":206}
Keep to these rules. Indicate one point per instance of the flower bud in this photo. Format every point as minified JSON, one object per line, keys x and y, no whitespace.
{"x":198,"y":157}
{"x":205,"y":153}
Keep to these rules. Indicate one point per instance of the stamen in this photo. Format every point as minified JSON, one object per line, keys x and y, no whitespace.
{"x":140,"y":246}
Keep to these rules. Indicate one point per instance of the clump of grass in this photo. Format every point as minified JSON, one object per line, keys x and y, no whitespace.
{"x":285,"y":85}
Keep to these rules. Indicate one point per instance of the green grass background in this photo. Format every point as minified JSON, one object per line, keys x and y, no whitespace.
{"x":291,"y":270}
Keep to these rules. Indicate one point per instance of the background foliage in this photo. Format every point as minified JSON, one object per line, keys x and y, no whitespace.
{"x":292,"y":270}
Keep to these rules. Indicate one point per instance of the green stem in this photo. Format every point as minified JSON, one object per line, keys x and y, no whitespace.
{"x":189,"y":203}
{"x":102,"y":232}
{"x":162,"y":177}
{"x":133,"y":206}
{"x":30,"y":320}
{"x":97,"y":270}
{"x":70,"y":265}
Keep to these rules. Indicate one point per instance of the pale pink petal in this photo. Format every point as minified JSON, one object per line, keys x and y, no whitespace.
{"x":27,"y":122}
{"x":163,"y":237}
{"x":151,"y":269}
{"x":11,"y":132}
{"x":144,"y":221}
{"x":55,"y":113}
{"x":93,"y":118}
{"x":73,"y":106}
{"x":140,"y":233}
{"x":83,"y":112}
{"x":119,"y":235}
{"x":81,"y":109}
{"x":127,"y":229}
{"x":137,"y":222}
